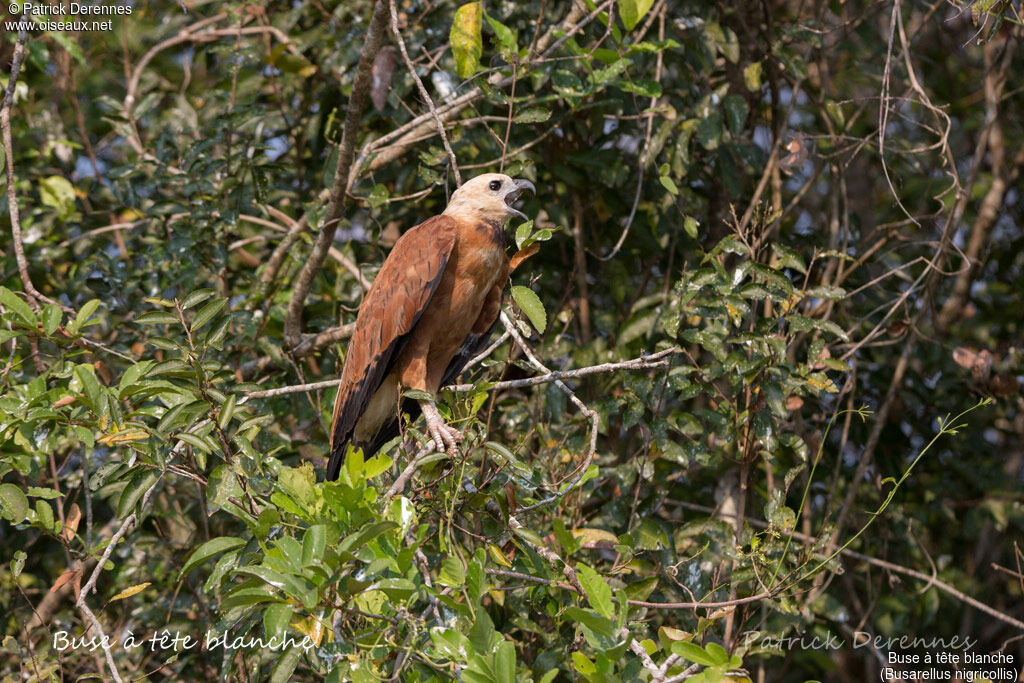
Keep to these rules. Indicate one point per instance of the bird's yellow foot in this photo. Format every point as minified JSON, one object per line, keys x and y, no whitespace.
{"x":444,"y":435}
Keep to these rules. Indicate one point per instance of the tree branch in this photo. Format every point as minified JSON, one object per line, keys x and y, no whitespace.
{"x":31,"y":293}
{"x":338,"y":198}
{"x":659,"y":359}
{"x":423,"y":93}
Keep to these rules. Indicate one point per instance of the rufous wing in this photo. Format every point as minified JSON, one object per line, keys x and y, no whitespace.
{"x":386,"y":319}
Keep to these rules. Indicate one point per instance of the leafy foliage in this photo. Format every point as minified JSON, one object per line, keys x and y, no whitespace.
{"x":715,"y":184}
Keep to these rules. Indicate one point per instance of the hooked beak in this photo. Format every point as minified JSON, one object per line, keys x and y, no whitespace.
{"x":513,"y":194}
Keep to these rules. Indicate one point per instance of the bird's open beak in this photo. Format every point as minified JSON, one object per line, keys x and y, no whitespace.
{"x":513,"y":194}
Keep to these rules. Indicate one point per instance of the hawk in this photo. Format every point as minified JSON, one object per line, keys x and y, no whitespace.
{"x":432,"y":307}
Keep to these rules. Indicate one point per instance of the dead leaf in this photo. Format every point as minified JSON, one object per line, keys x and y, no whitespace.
{"x":797,"y":154}
{"x":74,"y":516}
{"x":794,"y":403}
{"x":66,"y":401}
{"x":510,"y":498}
{"x":103,"y":372}
{"x":1004,"y":386}
{"x":383,"y":70}
{"x":978,"y":362}
{"x":522,"y":255}
{"x":64,"y":578}
{"x":897,"y":328}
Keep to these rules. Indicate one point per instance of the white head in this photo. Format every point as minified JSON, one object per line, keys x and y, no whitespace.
{"x":488,"y":197}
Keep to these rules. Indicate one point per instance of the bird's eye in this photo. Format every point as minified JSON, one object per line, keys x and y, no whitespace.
{"x":495,"y":185}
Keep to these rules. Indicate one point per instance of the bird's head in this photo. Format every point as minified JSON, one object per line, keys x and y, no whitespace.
{"x":488,"y":197}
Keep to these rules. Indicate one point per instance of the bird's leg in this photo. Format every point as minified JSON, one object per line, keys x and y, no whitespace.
{"x":444,"y":435}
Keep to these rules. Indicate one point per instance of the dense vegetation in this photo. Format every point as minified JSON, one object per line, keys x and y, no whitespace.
{"x":792,"y":229}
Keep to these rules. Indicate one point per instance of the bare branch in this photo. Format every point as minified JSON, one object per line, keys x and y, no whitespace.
{"x":338,"y":198}
{"x":654,"y":360}
{"x":587,"y":412}
{"x":31,"y":293}
{"x":423,"y":92}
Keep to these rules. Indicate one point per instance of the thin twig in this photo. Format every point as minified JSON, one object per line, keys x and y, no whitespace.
{"x":31,"y":293}
{"x":90,"y":585}
{"x":642,"y":363}
{"x":339,"y":189}
{"x":587,"y":412}
{"x":423,"y":92}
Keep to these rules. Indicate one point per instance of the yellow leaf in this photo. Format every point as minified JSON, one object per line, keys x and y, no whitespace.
{"x":466,"y":39}
{"x":312,"y":628}
{"x":121,"y":435}
{"x":130,"y":591}
{"x":591,"y":537}
{"x":822,"y":383}
{"x":497,"y":555}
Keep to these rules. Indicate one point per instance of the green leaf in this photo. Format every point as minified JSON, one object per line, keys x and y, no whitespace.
{"x":14,"y":303}
{"x":598,"y":592}
{"x":506,"y":38}
{"x":532,"y":115}
{"x":133,"y":492}
{"x":582,"y":664}
{"x":207,"y":312}
{"x":195,"y":441}
{"x":44,"y":515}
{"x":482,"y":636}
{"x":43,"y":492}
{"x":292,"y":585}
{"x":276,"y":619}
{"x":197,"y":297}
{"x":787,"y":258}
{"x":668,"y":184}
{"x":286,"y":665}
{"x":466,"y":39}
{"x":227,"y":411}
{"x":641,"y":86}
{"x":717,"y":653}
{"x":523,"y":232}
{"x":530,"y":304}
{"x":18,"y":563}
{"x":215,"y":546}
{"x":735,"y":112}
{"x":600,"y":625}
{"x":51,"y":319}
{"x":82,"y":318}
{"x":632,"y":11}
{"x":314,"y":542}
{"x":365,"y":535}
{"x":58,"y":192}
{"x":453,"y":574}
{"x":505,"y":662}
{"x":70,"y":46}
{"x":13,"y":503}
{"x":222,"y":486}
{"x":693,"y":653}
{"x":709,"y":131}
{"x":157,"y":318}
{"x":86,"y":375}
{"x":690,"y":224}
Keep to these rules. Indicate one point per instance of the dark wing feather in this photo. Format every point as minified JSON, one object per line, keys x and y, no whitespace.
{"x":474,"y":344}
{"x":387,"y":317}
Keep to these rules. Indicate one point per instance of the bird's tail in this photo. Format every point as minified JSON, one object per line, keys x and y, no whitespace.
{"x":337,"y":459}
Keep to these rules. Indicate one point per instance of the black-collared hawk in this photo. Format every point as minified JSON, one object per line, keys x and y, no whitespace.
{"x":432,"y":307}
